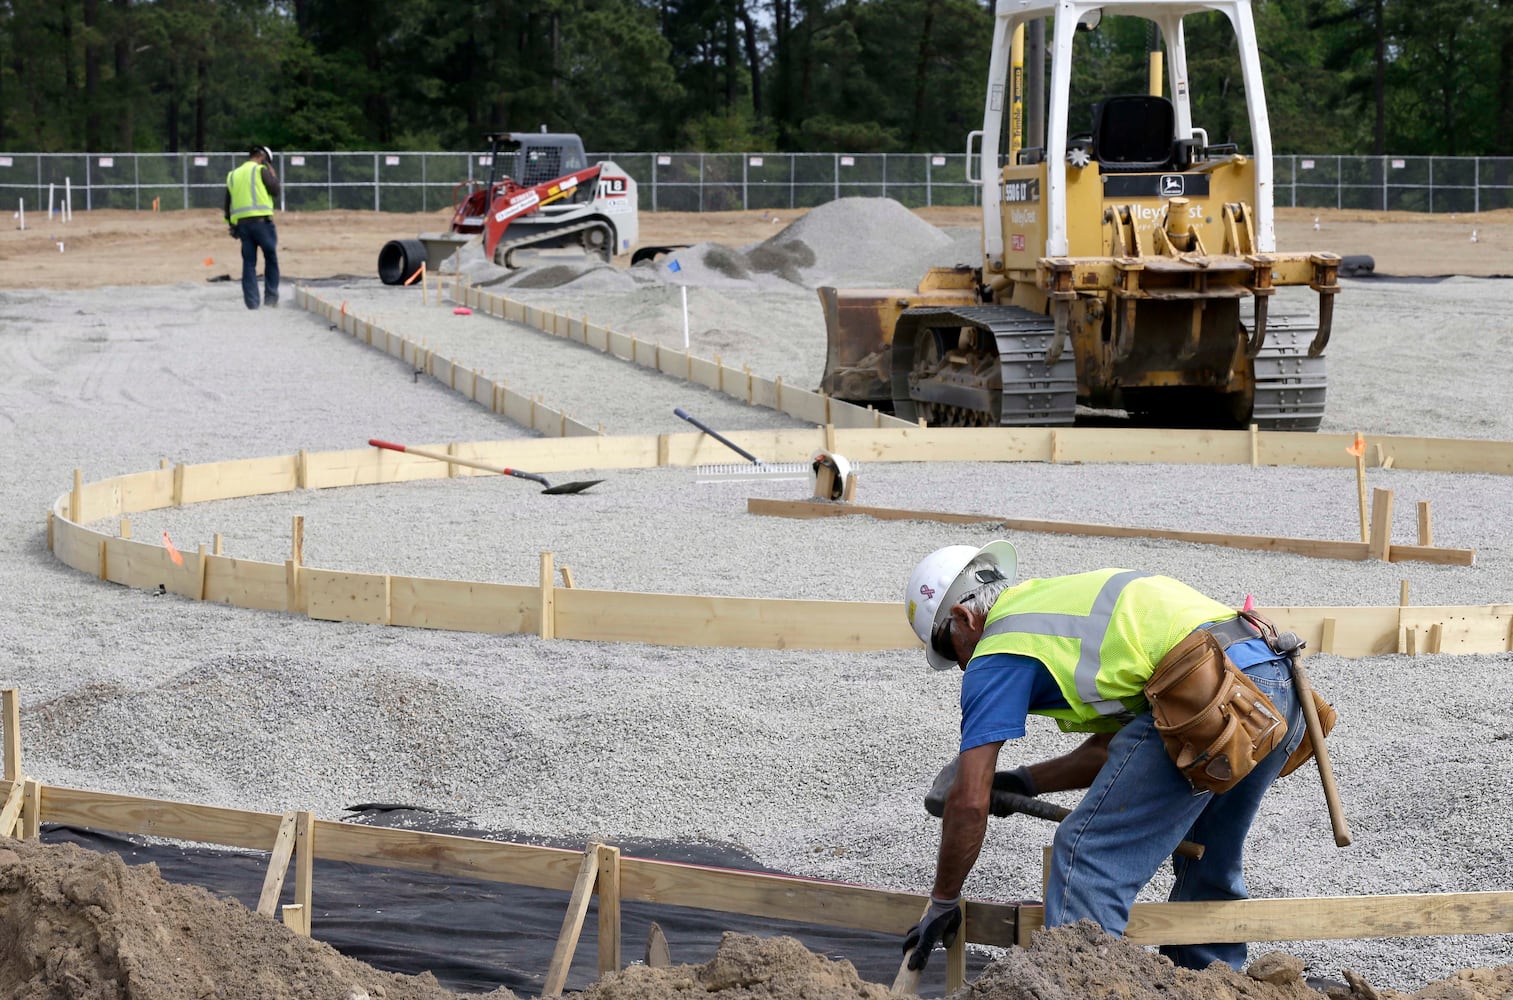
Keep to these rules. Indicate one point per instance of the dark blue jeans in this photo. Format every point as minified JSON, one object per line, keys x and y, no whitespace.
{"x":259,"y":233}
{"x":1136,"y":811}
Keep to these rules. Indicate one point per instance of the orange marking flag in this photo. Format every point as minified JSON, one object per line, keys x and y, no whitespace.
{"x":173,"y":553}
{"x":1359,"y":448}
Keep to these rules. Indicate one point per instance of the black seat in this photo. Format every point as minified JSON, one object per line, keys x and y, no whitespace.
{"x":1134,"y":133}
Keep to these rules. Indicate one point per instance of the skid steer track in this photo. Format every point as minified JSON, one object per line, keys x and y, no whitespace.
{"x":1019,"y":390}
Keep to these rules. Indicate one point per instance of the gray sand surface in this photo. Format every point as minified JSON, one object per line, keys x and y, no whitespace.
{"x":812,"y":762}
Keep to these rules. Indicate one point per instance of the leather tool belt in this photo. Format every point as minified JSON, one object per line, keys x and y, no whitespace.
{"x":1288,"y":644}
{"x":1215,"y":723}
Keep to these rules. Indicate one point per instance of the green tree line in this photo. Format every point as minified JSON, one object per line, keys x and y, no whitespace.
{"x":1343,"y":76}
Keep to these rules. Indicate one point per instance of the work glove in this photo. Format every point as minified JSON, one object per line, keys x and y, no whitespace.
{"x":234,"y":232}
{"x":937,"y":927}
{"x":1017,"y":781}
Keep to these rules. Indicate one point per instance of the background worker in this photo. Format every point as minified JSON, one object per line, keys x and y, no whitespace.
{"x":1083,"y":649}
{"x":250,"y":190}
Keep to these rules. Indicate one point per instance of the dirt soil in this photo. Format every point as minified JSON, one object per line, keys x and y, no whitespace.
{"x":85,"y":926}
{"x":145,"y":248}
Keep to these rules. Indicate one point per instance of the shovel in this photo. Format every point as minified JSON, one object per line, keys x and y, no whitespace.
{"x":577,"y":487}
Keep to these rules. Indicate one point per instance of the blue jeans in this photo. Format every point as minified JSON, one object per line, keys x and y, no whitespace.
{"x":1140,"y":806}
{"x":259,"y":234}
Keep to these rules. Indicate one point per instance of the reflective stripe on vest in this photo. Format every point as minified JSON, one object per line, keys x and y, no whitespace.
{"x":249,"y":195}
{"x":1089,"y":630}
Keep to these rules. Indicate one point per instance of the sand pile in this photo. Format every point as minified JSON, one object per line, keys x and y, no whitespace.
{"x":86,"y":926}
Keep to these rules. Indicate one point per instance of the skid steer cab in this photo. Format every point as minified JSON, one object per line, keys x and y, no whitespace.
{"x":541,"y":193}
{"x":1129,"y":260}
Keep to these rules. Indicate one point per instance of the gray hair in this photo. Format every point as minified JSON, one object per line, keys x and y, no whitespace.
{"x":982,"y":597}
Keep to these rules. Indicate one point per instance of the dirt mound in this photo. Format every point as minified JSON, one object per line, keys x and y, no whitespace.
{"x":85,"y":926}
{"x":743,"y":967}
{"x":1081,"y":961}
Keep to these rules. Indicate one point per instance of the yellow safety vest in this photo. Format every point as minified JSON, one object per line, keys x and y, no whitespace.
{"x":249,"y":195}
{"x":1100,"y":634}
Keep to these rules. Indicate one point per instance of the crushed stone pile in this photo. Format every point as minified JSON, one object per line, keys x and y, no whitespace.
{"x":85,"y":926}
{"x":852,"y":241}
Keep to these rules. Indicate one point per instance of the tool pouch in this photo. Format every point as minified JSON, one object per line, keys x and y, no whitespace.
{"x":1304,"y":753}
{"x":1216,"y":724}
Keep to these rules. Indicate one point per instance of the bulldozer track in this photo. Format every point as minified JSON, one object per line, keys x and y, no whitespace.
{"x":1290,"y":386}
{"x":1029,"y":392}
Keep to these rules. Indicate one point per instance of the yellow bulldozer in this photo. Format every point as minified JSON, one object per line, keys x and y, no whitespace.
{"x":1129,"y":267}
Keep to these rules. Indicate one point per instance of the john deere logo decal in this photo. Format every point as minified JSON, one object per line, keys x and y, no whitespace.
{"x":1172,"y":185}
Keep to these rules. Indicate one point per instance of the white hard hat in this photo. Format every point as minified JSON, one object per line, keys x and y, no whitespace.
{"x":939,"y":582}
{"x":837,"y":463}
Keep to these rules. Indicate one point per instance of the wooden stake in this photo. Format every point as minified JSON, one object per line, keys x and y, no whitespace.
{"x":567,"y":577}
{"x":1360,"y":488}
{"x":572,"y":924}
{"x":452,"y":466}
{"x":848,"y":492}
{"x":104,"y":570}
{"x":548,"y":624}
{"x":297,"y":540}
{"x":1055,"y":447}
{"x":10,"y":812}
{"x":178,"y":484}
{"x":10,"y":707}
{"x":1436,"y":637}
{"x":664,"y":447}
{"x":31,"y":811}
{"x":304,"y":865}
{"x":1402,"y":594}
{"x":215,"y":544}
{"x":824,"y":482}
{"x":1255,"y":446}
{"x":204,"y":564}
{"x":49,"y":531}
{"x":1381,"y":524}
{"x":76,"y":498}
{"x":125,"y":527}
{"x":1409,"y":644}
{"x":609,"y":908}
{"x":1326,"y":643}
{"x":278,"y":866}
{"x":829,"y":428}
{"x":291,"y":586}
{"x":1425,"y":530}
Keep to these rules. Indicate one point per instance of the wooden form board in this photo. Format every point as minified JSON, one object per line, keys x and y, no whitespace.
{"x":667,"y":619}
{"x":798,"y":402}
{"x":746,"y":622}
{"x":1317,"y":548}
{"x":775,"y":896}
{"x":681,"y":620}
{"x":498,"y":397}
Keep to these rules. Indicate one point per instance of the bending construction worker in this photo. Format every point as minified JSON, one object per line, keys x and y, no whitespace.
{"x":1192,"y":713}
{"x":250,"y":190}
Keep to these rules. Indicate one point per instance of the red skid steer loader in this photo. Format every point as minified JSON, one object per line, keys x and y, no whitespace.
{"x":541,"y":193}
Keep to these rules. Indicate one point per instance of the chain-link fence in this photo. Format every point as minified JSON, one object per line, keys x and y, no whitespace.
{"x":692,"y":182}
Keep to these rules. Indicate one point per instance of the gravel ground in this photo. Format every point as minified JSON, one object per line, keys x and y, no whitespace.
{"x":812,"y":762}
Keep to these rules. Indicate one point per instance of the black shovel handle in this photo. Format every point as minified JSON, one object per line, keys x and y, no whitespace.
{"x":748,"y":456}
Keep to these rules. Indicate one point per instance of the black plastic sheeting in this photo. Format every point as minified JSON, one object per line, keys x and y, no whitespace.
{"x":475,"y":936}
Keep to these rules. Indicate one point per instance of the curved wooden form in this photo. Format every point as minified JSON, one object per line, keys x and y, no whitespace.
{"x":542,"y":608}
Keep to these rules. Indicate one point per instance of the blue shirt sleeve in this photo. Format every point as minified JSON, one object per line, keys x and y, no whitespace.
{"x":998,"y":691}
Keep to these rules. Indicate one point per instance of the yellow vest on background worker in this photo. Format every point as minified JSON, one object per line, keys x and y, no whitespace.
{"x":249,"y":195}
{"x":1100,"y":634}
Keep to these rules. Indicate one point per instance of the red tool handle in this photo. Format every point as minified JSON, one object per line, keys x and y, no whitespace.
{"x":386,"y":444}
